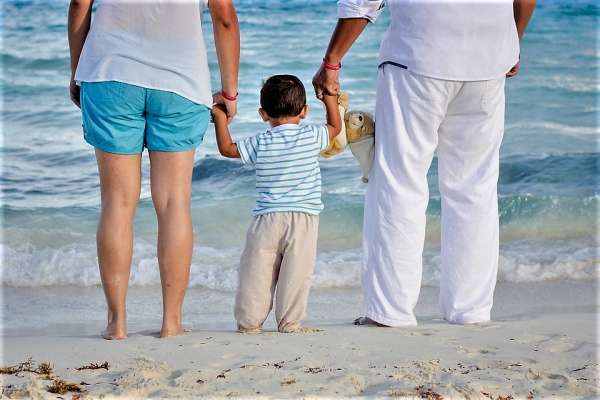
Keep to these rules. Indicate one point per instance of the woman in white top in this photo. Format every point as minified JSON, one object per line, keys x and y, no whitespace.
{"x":440,"y":88}
{"x":139,"y":73}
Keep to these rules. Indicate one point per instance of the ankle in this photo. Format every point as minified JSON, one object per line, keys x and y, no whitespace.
{"x":117,"y":317}
{"x":172,"y":319}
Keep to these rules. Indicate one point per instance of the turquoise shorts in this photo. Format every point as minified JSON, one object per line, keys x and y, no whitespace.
{"x":123,"y":119}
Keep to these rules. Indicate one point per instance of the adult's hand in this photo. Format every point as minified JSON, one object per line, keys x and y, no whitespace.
{"x":514,"y":70}
{"x":74,"y":92}
{"x":326,"y":82}
{"x":230,"y":105}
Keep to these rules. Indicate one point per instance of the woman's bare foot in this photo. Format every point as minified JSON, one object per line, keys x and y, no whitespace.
{"x":171,"y":329}
{"x":115,"y":331}
{"x":367,"y":321}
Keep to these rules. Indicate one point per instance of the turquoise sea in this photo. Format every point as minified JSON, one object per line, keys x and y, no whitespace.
{"x":549,"y":183}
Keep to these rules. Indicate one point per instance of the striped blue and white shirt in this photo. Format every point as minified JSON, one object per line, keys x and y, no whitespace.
{"x":286,"y":158}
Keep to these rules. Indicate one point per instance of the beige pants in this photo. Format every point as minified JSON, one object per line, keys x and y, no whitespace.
{"x":280,"y":254}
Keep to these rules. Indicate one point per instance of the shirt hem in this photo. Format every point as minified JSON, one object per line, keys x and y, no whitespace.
{"x":442,"y":77}
{"x":146,"y":86}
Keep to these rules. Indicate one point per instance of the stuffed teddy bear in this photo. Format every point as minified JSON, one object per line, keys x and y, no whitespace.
{"x":358,"y":131}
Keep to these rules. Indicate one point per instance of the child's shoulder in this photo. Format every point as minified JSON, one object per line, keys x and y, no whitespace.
{"x":285,"y":133}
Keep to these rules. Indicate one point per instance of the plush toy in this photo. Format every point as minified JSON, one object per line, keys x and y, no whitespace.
{"x":358,"y":131}
{"x":340,"y":142}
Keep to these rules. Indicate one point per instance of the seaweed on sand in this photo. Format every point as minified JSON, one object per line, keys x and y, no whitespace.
{"x":43,"y":368}
{"x":93,"y":365}
{"x":61,"y":387}
{"x":428,"y":393}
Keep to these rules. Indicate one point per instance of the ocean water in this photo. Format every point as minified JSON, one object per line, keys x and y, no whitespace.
{"x":549,"y":187}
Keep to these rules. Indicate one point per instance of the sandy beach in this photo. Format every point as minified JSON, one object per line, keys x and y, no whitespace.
{"x":541,"y":344}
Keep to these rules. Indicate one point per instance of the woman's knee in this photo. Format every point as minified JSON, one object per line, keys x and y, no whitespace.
{"x":171,"y":205}
{"x":120,"y":203}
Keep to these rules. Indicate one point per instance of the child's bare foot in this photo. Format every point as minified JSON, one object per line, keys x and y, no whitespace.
{"x":250,"y":331}
{"x":115,"y":331}
{"x":300,"y":329}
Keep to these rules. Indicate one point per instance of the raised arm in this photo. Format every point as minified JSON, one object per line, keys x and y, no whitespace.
{"x":227,"y":42}
{"x":226,"y":146}
{"x":334,"y":120}
{"x":523,"y":10}
{"x":354,"y":15}
{"x":80,"y":18}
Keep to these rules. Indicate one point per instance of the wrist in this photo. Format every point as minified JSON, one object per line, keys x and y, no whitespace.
{"x":331,"y":66}
{"x":333,"y":59}
{"x":229,"y":95}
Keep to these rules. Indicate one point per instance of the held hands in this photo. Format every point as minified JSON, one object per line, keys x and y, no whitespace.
{"x":229,"y":105}
{"x":219,"y":113}
{"x":326,"y":82}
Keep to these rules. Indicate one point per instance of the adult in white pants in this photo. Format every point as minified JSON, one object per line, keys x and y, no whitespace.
{"x":440,"y":87}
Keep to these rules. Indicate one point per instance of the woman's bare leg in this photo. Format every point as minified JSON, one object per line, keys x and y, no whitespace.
{"x":120,"y":180}
{"x":171,"y":181}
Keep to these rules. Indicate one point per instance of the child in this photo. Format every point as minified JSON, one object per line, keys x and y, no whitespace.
{"x":281,"y":243}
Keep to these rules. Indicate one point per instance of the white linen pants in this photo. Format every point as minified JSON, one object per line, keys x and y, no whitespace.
{"x":464,"y":121}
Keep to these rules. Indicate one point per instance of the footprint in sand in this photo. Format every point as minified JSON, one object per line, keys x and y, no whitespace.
{"x":145,"y":375}
{"x":548,"y":380}
{"x":551,"y":343}
{"x":475,"y":351}
{"x":186,"y":379}
{"x":559,"y":344}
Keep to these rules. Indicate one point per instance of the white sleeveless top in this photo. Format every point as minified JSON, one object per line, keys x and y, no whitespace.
{"x":156,"y":44}
{"x":445,"y":39}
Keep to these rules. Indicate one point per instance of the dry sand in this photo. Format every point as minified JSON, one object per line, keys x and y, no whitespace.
{"x":542,"y":344}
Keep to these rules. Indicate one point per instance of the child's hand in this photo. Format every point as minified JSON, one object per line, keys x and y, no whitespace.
{"x":219,"y":113}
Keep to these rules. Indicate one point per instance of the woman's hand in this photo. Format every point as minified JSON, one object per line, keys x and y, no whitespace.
{"x":326,"y":82}
{"x":230,"y":105}
{"x":74,"y":91}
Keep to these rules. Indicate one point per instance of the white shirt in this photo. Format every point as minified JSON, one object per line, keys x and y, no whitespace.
{"x":451,"y":40}
{"x":156,"y":44}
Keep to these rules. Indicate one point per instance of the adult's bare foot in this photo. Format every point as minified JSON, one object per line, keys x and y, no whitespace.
{"x":170,"y":331}
{"x":367,"y":321}
{"x":114,"y":331}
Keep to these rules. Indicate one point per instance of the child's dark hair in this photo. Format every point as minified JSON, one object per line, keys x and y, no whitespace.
{"x":282,"y":96}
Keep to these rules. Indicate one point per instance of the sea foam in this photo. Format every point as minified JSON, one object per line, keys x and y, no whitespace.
{"x":76,"y":264}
